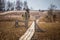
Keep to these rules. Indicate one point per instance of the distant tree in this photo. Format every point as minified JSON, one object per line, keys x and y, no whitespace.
{"x":12,"y":8}
{"x":9,"y":4}
{"x":25,"y":5}
{"x":39,"y":10}
{"x":2,"y":5}
{"x":50,"y":13}
{"x":19,"y":5}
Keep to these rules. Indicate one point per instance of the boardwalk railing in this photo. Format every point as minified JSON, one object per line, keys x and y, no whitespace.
{"x":29,"y":33}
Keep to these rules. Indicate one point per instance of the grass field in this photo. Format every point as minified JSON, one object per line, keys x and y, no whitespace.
{"x":8,"y":31}
{"x":51,"y":31}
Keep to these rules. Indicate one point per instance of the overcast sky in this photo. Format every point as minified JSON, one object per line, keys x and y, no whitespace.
{"x":42,"y":4}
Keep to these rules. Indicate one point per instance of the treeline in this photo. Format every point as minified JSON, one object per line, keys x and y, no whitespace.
{"x":52,"y":13}
{"x":16,"y":5}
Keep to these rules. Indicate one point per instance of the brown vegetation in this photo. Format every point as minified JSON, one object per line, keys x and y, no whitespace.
{"x":51,"y":31}
{"x":8,"y":30}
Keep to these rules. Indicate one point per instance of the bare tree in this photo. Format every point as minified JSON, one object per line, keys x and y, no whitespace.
{"x":50,"y":13}
{"x":26,"y":9}
{"x":9,"y":5}
{"x":19,"y":5}
{"x":25,"y":5}
{"x":2,"y":4}
{"x":27,"y":15}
